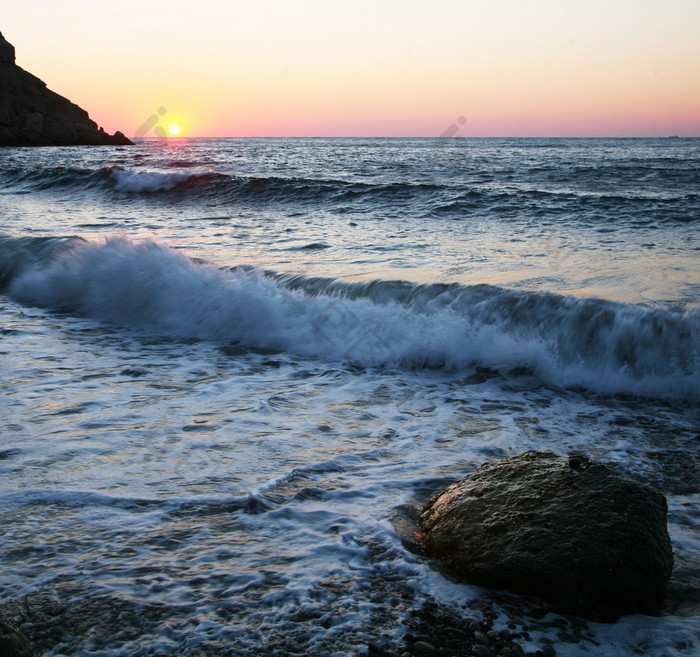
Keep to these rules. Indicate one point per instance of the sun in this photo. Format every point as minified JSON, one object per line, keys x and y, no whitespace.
{"x":174,"y":129}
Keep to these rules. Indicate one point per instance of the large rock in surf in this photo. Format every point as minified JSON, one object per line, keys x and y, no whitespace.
{"x":12,"y":642}
{"x":568,"y":530}
{"x":32,"y":115}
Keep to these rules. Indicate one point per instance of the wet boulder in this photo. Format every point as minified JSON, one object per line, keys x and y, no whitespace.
{"x":570,"y":531}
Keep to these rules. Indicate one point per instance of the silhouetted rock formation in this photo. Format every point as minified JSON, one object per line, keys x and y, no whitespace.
{"x":32,"y":115}
{"x":570,"y":531}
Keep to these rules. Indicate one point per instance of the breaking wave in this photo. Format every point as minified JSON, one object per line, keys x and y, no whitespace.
{"x":600,"y":345}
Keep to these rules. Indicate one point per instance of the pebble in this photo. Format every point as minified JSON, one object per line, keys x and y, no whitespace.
{"x":549,"y":651}
{"x":474,"y":626}
{"x":481,"y":638}
{"x":480,"y":651}
{"x":455,"y":633}
{"x":424,"y":648}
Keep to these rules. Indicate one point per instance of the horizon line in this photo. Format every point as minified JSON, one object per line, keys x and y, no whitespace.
{"x":455,"y":138}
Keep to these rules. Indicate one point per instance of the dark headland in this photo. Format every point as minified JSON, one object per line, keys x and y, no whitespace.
{"x":33,"y":115}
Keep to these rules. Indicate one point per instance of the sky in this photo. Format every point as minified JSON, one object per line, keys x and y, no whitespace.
{"x":366,"y":68}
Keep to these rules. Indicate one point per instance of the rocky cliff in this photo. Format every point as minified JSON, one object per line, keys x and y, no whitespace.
{"x":32,"y":115}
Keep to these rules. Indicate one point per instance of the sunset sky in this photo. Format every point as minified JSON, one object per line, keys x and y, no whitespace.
{"x":371,"y":68}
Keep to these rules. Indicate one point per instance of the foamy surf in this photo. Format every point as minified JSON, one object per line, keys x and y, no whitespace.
{"x":600,"y":345}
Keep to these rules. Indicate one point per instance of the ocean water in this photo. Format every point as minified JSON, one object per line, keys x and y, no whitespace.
{"x":232,"y":368}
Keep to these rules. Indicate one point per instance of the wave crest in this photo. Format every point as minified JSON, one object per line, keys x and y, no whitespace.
{"x":601,"y":345}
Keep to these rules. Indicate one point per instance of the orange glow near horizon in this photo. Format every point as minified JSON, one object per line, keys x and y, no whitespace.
{"x":398,"y":69}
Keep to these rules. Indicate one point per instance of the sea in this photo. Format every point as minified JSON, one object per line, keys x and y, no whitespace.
{"x":234,"y":369}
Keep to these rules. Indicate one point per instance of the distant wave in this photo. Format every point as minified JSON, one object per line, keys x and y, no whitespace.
{"x":154,"y":181}
{"x":428,"y":199}
{"x":143,"y":182}
{"x":106,"y":178}
{"x":601,"y":345}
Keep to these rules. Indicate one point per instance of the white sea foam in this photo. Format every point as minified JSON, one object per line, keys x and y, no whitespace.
{"x":566,"y":341}
{"x":146,"y":181}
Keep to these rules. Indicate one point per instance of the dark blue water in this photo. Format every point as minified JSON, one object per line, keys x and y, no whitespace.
{"x":229,"y":364}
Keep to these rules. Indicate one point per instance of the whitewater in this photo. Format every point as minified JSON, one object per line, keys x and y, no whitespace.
{"x":233,"y":369}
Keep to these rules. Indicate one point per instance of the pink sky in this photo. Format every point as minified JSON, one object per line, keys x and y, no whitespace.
{"x":308,"y":68}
